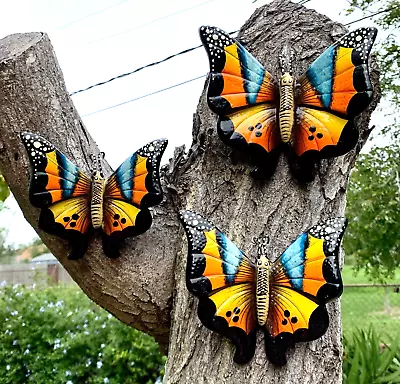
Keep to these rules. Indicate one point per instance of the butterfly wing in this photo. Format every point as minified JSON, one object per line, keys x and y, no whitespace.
{"x":237,"y":79}
{"x":252,"y":130}
{"x":303,"y":279}
{"x":62,"y":192}
{"x":129,"y":191}
{"x":242,"y":93}
{"x":321,"y":134}
{"x":223,"y":278}
{"x":338,"y":80}
{"x":336,"y":83}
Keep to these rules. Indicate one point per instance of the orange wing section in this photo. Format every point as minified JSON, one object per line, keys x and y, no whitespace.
{"x":236,"y":306}
{"x":251,"y":127}
{"x":237,"y":79}
{"x":54,"y":178}
{"x":72,"y":214}
{"x":137,"y":179}
{"x":128,"y":193}
{"x":231,"y":312}
{"x":214,"y":261}
{"x":322,"y":132}
{"x":338,"y":80}
{"x":289,"y":311}
{"x":310,"y":264}
{"x":222,"y":277}
{"x":70,"y":220}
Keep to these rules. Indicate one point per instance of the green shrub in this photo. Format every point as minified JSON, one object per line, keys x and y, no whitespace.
{"x":57,"y":335}
{"x":369,"y":361}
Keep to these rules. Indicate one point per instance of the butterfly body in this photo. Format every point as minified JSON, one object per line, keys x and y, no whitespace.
{"x":72,"y":204}
{"x":286,"y":106}
{"x":285,"y":298}
{"x":311,"y":118}
{"x":262,"y":289}
{"x":96,"y":204}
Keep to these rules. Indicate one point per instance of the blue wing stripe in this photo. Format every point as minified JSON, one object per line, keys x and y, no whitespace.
{"x":231,"y":255}
{"x":293,"y":261}
{"x":69,"y":176}
{"x":124,"y":176}
{"x":320,"y":75}
{"x":253,"y":71}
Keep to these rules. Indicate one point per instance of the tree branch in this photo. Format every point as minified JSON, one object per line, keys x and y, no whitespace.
{"x":137,"y":287}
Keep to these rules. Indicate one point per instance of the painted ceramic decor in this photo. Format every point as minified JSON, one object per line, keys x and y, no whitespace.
{"x":72,"y":204}
{"x":313,"y":116}
{"x":285,"y":298}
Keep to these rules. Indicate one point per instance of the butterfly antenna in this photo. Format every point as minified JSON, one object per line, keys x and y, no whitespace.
{"x":96,"y":163}
{"x":286,"y":58}
{"x":262,"y":245}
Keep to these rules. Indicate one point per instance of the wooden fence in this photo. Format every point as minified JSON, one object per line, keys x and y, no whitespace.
{"x":29,"y":274}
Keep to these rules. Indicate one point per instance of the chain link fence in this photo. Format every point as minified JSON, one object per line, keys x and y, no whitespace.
{"x":377,"y":305}
{"x":363,"y":305}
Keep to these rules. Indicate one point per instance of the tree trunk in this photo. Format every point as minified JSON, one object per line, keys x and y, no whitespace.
{"x":138,"y":288}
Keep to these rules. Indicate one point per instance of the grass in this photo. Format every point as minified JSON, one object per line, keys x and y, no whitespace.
{"x":361,"y":307}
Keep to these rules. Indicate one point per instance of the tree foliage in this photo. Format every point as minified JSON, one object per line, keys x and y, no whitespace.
{"x":4,"y":190}
{"x":373,"y":211}
{"x":388,"y":17}
{"x":57,"y":335}
{"x":374,"y":191}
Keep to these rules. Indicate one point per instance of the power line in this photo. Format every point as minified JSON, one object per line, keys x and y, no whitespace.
{"x":140,"y":68}
{"x":150,"y":22}
{"x":90,"y":15}
{"x":179,"y":84}
{"x":372,"y":15}
{"x":357,"y":6}
{"x":143,"y":96}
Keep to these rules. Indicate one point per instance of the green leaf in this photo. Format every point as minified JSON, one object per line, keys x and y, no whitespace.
{"x":4,"y":190}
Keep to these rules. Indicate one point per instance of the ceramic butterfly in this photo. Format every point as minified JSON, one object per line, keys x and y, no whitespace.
{"x":285,"y":298}
{"x":72,"y":204}
{"x":313,"y":116}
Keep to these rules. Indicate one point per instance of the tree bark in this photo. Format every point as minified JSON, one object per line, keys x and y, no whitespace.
{"x":148,"y":280}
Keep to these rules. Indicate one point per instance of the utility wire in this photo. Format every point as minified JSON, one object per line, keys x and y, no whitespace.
{"x":143,"y":96}
{"x":140,"y":68}
{"x":179,"y":84}
{"x":150,"y":22}
{"x":136,"y":70}
{"x":90,"y":15}
{"x":192,"y":49}
{"x":372,"y":15}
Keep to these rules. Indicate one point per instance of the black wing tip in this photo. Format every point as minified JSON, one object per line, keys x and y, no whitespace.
{"x":206,"y":30}
{"x":338,"y":220}
{"x":193,"y":219}
{"x":28,"y":139}
{"x":163,"y":142}
{"x":154,"y":149}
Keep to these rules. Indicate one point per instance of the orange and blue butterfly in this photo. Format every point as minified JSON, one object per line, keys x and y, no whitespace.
{"x":72,"y":204}
{"x":313,"y":116}
{"x":285,"y":298}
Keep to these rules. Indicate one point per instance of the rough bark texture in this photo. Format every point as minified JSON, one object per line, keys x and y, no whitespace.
{"x":139,"y":286}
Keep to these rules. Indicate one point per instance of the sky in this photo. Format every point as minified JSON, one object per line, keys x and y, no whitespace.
{"x":96,"y":40}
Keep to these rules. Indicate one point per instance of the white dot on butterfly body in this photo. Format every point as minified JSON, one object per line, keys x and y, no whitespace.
{"x":215,"y":36}
{"x":36,"y":144}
